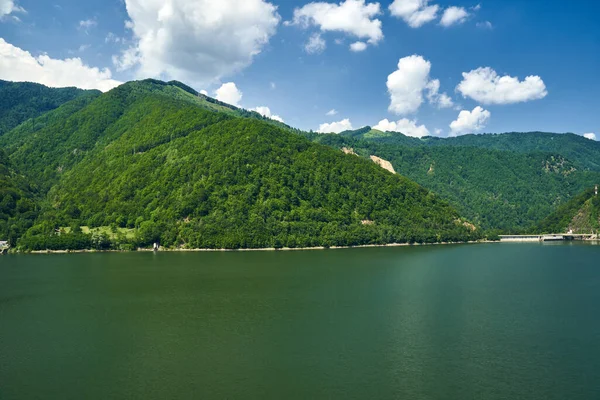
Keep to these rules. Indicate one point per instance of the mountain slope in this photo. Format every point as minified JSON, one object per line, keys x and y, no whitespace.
{"x":584,"y":153}
{"x":581,"y":215}
{"x":496,"y":189}
{"x":20,"y":101}
{"x":18,"y":209}
{"x":148,"y":157}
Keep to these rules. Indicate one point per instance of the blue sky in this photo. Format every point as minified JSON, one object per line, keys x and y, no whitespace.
{"x":267,"y":58}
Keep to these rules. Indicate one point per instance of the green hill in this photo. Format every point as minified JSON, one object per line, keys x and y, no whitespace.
{"x":20,"y":101}
{"x":160,"y":162}
{"x":18,"y":209}
{"x":581,"y":215}
{"x":496,"y":188}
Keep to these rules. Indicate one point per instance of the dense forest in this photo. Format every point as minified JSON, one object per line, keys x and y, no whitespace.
{"x":18,"y":208}
{"x":497,"y":189}
{"x":21,"y":101}
{"x":581,"y":215}
{"x":151,"y":162}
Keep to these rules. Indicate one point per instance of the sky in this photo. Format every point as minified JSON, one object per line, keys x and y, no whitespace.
{"x":420,"y":67}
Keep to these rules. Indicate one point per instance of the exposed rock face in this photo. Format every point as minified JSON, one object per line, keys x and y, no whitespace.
{"x":349,"y":151}
{"x":383,"y":164}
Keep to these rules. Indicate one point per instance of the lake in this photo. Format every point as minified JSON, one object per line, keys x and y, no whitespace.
{"x":487,"y":321}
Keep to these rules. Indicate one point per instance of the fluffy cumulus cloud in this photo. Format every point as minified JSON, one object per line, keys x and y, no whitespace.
{"x":454,"y":16}
{"x":470,"y":121}
{"x":415,"y":13}
{"x":229,"y":93}
{"x":591,"y":136}
{"x":198,"y":41}
{"x":441,"y":100}
{"x":266,"y":112}
{"x":315,"y":44}
{"x":351,"y":17}
{"x":19,"y":65}
{"x":8,"y":7}
{"x":408,"y":84}
{"x":336,"y":127}
{"x":358,"y":47}
{"x":405,"y":126}
{"x":486,"y":86}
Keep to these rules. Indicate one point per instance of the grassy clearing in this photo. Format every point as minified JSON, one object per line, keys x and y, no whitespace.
{"x":107,"y":230}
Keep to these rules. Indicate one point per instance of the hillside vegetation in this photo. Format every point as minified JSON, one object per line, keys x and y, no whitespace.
{"x":20,"y":101}
{"x":156,"y":159}
{"x":580,"y":215}
{"x":497,"y":189}
{"x":18,"y":209}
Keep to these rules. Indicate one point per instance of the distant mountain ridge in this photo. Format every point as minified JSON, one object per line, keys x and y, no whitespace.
{"x":20,"y":101}
{"x":489,"y":182}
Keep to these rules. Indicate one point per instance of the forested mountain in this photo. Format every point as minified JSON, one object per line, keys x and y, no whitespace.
{"x":20,"y":101}
{"x":584,"y":153}
{"x":497,"y":189}
{"x":154,"y":161}
{"x":18,"y":210}
{"x":581,"y":215}
{"x":164,"y":164}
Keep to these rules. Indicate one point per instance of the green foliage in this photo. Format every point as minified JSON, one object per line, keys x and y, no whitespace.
{"x":20,"y":101}
{"x":496,"y":189}
{"x":18,"y":209}
{"x":153,"y":157}
{"x":581,"y":214}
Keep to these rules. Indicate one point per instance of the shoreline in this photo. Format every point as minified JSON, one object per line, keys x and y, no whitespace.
{"x":272,"y":249}
{"x":266,"y":249}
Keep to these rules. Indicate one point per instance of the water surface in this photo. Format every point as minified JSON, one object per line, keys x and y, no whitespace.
{"x":497,"y":321}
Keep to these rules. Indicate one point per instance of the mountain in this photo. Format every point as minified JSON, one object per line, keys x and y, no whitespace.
{"x":580,"y":215}
{"x":18,"y":209}
{"x":584,"y":153}
{"x":496,"y":188}
{"x":152,"y":161}
{"x":20,"y":101}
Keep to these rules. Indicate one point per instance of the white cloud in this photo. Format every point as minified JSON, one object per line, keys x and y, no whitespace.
{"x":358,"y":46}
{"x":470,"y":121}
{"x":438,"y":132}
{"x":315,"y":44}
{"x":415,"y":13}
{"x":229,"y":93}
{"x":19,"y":65}
{"x":352,"y":17}
{"x":336,"y":127}
{"x":405,"y":126}
{"x":273,"y":85}
{"x":87,"y":24}
{"x":197,"y":41}
{"x":441,"y":100}
{"x":486,"y":86}
{"x":591,"y":136}
{"x":204,"y":92}
{"x":266,"y":112}
{"x":485,"y":25}
{"x":407,"y":84}
{"x":332,"y":112}
{"x":8,"y":7}
{"x":454,"y":16}
{"x":112,"y":38}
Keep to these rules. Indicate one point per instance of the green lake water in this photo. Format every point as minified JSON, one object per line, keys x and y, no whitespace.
{"x":490,"y":321}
